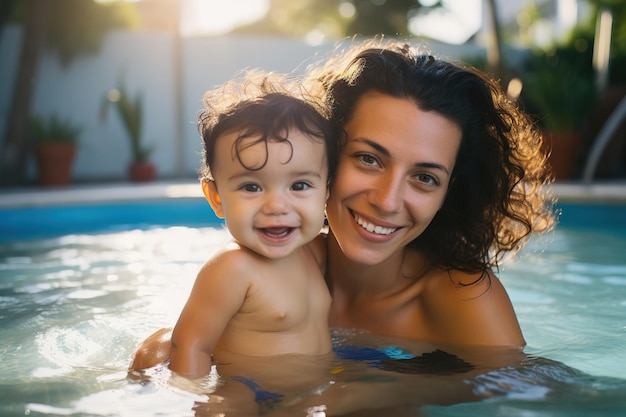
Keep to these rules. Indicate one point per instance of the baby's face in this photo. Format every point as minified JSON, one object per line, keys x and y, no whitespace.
{"x":278,"y":207}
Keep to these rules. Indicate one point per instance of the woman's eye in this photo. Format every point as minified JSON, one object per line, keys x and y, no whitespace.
{"x":427,"y":179}
{"x":251,"y":188}
{"x":300,"y":186}
{"x":367,"y":159}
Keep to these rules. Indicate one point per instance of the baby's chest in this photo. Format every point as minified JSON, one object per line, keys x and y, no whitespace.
{"x":280,"y":304}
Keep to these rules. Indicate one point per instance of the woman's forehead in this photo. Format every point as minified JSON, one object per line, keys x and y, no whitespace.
{"x":397,"y":126}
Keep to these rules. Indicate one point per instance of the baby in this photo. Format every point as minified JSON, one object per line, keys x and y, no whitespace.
{"x":266,"y":165}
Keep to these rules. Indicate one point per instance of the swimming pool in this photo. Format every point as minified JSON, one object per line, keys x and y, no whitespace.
{"x":81,"y":286}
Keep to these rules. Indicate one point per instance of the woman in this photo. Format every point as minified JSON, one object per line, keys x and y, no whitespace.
{"x":439,"y":177}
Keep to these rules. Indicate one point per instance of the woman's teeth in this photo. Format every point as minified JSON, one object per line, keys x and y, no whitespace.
{"x":379,"y":230}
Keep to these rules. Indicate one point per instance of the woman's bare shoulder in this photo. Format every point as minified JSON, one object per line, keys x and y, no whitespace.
{"x":472,"y":309}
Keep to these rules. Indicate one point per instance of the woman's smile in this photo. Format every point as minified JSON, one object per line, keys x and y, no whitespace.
{"x":372,"y":227}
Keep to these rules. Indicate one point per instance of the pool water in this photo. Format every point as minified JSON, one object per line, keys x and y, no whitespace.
{"x":80,"y":287}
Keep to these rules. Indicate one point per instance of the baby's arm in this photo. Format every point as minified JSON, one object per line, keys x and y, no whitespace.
{"x":217,"y":295}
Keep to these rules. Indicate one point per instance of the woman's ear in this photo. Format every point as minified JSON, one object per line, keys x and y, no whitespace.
{"x":212,"y":196}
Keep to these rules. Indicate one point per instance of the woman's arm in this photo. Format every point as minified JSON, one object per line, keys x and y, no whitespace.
{"x":153,"y":350}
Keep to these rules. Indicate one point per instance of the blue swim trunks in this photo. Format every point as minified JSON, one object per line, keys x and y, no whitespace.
{"x":394,"y":359}
{"x":267,"y":400}
{"x":366,"y":354}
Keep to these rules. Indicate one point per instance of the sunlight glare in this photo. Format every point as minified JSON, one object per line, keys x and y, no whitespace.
{"x":347,"y":10}
{"x":216,"y":17}
{"x":455,"y":23}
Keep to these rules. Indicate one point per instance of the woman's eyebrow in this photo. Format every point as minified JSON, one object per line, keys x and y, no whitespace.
{"x":384,"y":151}
{"x":374,"y":145}
{"x":432,"y":165}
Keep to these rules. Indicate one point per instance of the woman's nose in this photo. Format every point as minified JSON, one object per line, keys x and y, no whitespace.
{"x":386,"y":195}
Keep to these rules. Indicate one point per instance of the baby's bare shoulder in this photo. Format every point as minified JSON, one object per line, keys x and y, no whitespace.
{"x":232,"y":262}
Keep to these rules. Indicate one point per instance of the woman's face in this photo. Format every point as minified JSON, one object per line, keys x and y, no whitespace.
{"x":392,"y":177}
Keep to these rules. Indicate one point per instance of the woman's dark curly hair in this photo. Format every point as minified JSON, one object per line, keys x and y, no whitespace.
{"x":262,"y":107}
{"x":498,"y":193}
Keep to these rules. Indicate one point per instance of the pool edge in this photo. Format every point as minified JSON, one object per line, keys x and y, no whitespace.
{"x":99,"y":194}
{"x":613,"y":192}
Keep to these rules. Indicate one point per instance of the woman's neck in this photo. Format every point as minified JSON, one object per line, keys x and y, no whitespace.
{"x":357,"y":280}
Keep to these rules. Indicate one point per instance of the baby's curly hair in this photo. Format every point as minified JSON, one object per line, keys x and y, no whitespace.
{"x":262,"y":107}
{"x":499,"y":191}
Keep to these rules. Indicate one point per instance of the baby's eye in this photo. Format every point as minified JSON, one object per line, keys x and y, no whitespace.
{"x":300,"y":186}
{"x":251,"y":188}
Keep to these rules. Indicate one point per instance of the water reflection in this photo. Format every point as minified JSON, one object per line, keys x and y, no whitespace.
{"x":73,"y":309}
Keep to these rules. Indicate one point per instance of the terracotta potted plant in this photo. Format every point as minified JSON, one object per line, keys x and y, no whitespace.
{"x":55,"y":141}
{"x":561,"y":90}
{"x":130,"y":110}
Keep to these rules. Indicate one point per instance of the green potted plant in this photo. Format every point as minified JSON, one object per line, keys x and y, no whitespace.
{"x":55,"y":141}
{"x":560,"y":86}
{"x":130,"y":110}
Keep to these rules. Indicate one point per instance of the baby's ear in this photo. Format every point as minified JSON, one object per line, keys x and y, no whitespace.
{"x":212,"y":196}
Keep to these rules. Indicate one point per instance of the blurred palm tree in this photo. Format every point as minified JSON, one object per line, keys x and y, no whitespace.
{"x":70,"y":27}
